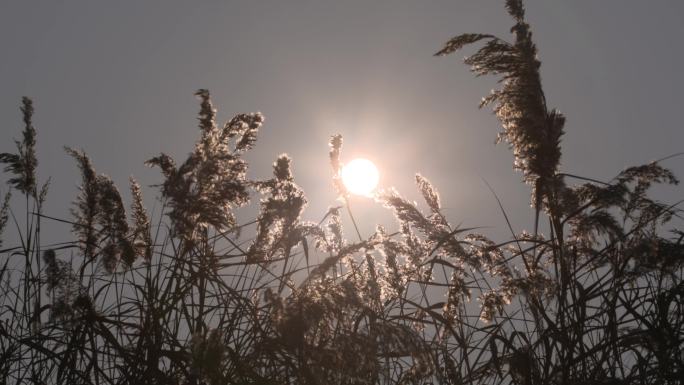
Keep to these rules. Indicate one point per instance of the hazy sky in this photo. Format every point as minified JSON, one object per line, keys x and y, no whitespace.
{"x":117,"y":79}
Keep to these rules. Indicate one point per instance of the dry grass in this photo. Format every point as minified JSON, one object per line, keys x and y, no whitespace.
{"x":593,"y":295}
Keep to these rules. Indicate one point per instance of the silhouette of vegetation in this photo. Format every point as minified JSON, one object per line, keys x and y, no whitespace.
{"x":593,"y":295}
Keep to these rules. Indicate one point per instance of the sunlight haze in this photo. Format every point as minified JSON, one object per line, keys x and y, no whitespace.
{"x":117,"y":80}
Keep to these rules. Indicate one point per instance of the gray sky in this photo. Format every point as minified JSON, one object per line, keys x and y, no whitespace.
{"x":117,"y":79}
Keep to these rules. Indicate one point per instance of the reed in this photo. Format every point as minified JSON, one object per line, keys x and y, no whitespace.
{"x":592,"y":295}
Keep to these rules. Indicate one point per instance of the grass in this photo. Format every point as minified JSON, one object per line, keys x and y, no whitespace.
{"x":592,"y":295}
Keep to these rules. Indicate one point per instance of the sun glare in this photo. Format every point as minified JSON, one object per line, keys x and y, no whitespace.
{"x":360,"y":177}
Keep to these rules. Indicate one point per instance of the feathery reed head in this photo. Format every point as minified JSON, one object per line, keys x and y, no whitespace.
{"x":23,"y":164}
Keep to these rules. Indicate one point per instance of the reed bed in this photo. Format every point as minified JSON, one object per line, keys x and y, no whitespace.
{"x":592,"y":295}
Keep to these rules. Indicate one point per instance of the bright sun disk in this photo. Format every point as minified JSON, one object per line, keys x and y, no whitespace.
{"x":360,"y":177}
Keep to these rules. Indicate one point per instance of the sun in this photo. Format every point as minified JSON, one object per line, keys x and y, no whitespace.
{"x":360,"y":177}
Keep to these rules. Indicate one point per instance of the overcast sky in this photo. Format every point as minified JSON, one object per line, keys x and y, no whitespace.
{"x":117,"y":79}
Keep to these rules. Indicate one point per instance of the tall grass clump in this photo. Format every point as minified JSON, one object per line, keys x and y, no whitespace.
{"x":592,"y":294}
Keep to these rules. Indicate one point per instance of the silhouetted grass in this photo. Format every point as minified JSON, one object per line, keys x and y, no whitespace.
{"x":593,"y":295}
